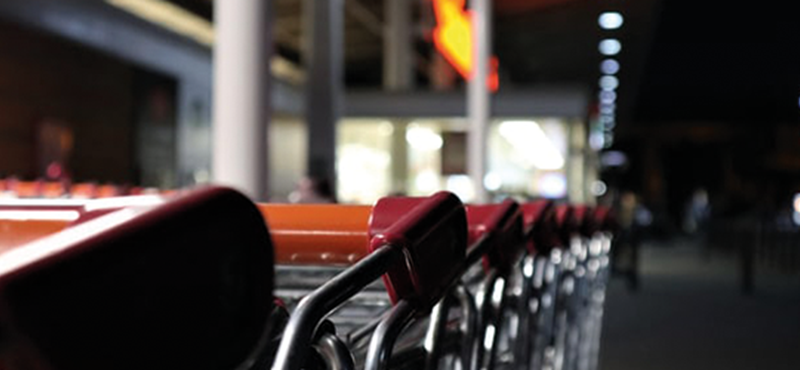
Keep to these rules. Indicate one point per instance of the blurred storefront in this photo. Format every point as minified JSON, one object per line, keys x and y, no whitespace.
{"x":528,"y":157}
{"x":537,"y":147}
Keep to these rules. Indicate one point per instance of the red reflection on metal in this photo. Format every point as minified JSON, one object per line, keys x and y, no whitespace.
{"x":453,"y":38}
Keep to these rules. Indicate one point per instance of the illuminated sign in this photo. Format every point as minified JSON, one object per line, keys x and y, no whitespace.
{"x":453,"y":38}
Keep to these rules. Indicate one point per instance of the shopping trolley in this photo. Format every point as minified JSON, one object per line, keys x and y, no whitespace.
{"x":581,"y":292}
{"x":497,"y":237}
{"x":417,"y":245}
{"x":460,"y":289}
{"x":601,"y":227}
{"x":540,"y":270}
{"x":184,"y":284}
{"x":470,"y":322}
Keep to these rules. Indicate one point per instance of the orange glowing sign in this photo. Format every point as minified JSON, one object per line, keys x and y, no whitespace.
{"x":453,"y":38}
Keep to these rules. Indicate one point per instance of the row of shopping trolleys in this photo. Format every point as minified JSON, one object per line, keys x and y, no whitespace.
{"x":210,"y":280}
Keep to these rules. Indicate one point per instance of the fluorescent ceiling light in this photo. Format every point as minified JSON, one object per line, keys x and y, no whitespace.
{"x":610,"y":20}
{"x":190,"y":25}
{"x":170,"y":16}
{"x":532,"y":143}
{"x":610,"y":47}
{"x":423,"y":138}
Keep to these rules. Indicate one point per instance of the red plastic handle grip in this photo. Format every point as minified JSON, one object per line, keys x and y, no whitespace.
{"x":540,"y":226}
{"x":318,"y":234}
{"x":587,"y":222}
{"x":502,"y":224}
{"x":432,"y":232}
{"x":606,"y":219}
{"x":566,"y":222}
{"x":184,"y":284}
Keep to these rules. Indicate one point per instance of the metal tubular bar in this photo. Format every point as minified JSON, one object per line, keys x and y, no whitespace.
{"x":487,"y":328}
{"x":545,"y":282}
{"x":359,"y":334}
{"x":477,"y":251}
{"x":498,"y":306}
{"x":524,"y":340}
{"x":294,"y":347}
{"x":382,"y":343}
{"x":262,"y":356}
{"x":437,"y":329}
{"x":469,"y":327}
{"x":334,"y":353}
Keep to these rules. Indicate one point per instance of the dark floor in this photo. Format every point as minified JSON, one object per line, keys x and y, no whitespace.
{"x":689,"y":313}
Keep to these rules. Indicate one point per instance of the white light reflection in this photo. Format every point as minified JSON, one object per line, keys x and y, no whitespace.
{"x":527,"y":269}
{"x":553,"y":185}
{"x":461,"y":186}
{"x":121,"y":202}
{"x":607,"y":109}
{"x":427,"y":181}
{"x":599,"y":188}
{"x":513,"y":326}
{"x":610,"y":47}
{"x":385,"y":128}
{"x":492,"y":181}
{"x":609,"y":66}
{"x":613,"y":159}
{"x":610,"y":20}
{"x":609,"y":82}
{"x":23,"y":202}
{"x":609,"y":139}
{"x":596,"y":140}
{"x":423,"y":138}
{"x":498,"y":291}
{"x":595,"y":246}
{"x":19,"y":257}
{"x":529,"y":140}
{"x":17,"y":215}
{"x":488,"y":340}
{"x":608,"y":97}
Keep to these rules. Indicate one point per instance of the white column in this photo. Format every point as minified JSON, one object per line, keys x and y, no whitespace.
{"x":478,"y":107}
{"x":242,"y":52}
{"x":398,"y":52}
{"x":323,"y":49}
{"x":398,"y":75}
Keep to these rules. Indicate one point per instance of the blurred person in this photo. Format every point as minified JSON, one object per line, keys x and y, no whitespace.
{"x":632,"y":217}
{"x":312,"y":190}
{"x":696,"y":213}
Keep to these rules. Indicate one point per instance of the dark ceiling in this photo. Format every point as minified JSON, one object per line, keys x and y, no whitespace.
{"x":681,"y":61}
{"x":736,"y":62}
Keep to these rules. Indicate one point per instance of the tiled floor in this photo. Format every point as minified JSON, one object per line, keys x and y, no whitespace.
{"x":690,"y":314}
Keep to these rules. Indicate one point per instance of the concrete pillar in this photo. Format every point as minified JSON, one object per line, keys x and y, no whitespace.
{"x":242,"y":52}
{"x":323,"y":49}
{"x":398,"y":52}
{"x":478,"y":102}
{"x":398,"y":75}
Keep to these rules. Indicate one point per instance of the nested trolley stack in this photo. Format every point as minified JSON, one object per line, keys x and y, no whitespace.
{"x":210,"y":280}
